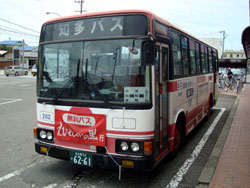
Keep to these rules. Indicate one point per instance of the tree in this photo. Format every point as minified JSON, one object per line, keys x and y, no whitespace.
{"x":4,"y":47}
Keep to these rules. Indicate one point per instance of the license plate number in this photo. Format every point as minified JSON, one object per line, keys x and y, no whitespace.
{"x":80,"y":158}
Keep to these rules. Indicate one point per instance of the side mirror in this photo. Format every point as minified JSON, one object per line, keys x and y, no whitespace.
{"x":148,"y":52}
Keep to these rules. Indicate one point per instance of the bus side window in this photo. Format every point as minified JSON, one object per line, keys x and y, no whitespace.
{"x":210,"y":60}
{"x":198,"y":57}
{"x":176,"y":50}
{"x":203,"y":59}
{"x":184,"y":55}
{"x":192,"y":57}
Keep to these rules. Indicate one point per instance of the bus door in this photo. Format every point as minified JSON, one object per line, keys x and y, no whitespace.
{"x":161,"y":99}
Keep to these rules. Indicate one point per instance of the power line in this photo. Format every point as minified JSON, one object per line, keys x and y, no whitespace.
{"x":17,"y":32}
{"x":19,"y":25}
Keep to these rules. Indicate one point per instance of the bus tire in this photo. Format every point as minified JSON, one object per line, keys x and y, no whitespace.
{"x":179,"y":135}
{"x":210,"y":107}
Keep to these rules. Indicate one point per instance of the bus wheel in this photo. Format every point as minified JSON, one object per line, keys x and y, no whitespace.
{"x":178,"y":137}
{"x":210,"y":108}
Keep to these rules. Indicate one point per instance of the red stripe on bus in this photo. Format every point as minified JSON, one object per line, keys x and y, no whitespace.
{"x":47,"y":124}
{"x":147,"y":133}
{"x":109,"y":131}
{"x":172,"y":86}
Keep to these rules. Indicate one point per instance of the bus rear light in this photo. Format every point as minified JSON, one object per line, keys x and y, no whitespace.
{"x":148,"y":148}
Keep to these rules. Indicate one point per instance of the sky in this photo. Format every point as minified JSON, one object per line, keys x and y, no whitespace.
{"x":202,"y":18}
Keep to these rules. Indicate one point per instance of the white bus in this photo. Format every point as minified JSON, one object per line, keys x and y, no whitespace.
{"x":120,"y":88}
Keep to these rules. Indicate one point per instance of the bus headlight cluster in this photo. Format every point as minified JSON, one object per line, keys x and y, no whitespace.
{"x":129,"y":147}
{"x":45,"y":135}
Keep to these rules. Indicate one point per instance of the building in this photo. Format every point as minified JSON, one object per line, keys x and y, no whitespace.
{"x":233,"y":54}
{"x":11,"y":53}
{"x":215,"y":42}
{"x":30,"y":54}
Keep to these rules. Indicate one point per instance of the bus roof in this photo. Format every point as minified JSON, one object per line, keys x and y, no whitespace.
{"x":97,"y":14}
{"x":150,"y":14}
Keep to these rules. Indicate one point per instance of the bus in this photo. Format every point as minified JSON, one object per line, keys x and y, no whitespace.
{"x":120,"y":89}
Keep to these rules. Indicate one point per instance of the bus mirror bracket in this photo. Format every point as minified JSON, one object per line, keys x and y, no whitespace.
{"x":148,"y":52}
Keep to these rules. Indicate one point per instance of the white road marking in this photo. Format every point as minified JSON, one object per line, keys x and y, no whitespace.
{"x":186,"y":165}
{"x":18,"y":172}
{"x":9,"y":101}
{"x":51,"y":185}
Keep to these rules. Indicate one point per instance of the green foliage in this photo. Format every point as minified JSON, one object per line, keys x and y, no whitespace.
{"x":4,"y":47}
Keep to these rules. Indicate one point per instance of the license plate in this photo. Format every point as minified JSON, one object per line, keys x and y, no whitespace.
{"x":80,"y":158}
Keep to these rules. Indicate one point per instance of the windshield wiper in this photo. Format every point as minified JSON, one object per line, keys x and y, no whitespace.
{"x":96,"y":89}
{"x":73,"y":79}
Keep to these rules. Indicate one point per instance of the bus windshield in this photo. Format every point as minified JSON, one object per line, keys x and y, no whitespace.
{"x":92,"y":69}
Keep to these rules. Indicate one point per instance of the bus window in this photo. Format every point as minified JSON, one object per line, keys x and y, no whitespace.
{"x":210,"y":60}
{"x":197,"y":57}
{"x":176,"y":50}
{"x":192,"y":57}
{"x":184,"y":53}
{"x":204,"y":59}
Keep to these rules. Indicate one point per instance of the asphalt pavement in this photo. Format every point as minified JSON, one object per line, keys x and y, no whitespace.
{"x":41,"y":171}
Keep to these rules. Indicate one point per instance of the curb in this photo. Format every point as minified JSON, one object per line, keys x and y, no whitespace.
{"x":208,"y":171}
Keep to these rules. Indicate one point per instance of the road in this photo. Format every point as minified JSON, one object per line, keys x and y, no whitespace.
{"x":22,"y":167}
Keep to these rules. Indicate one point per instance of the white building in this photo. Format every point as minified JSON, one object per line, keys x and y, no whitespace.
{"x":215,"y":42}
{"x":234,"y":54}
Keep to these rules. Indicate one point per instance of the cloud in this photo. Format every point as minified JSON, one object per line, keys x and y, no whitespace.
{"x":198,"y":17}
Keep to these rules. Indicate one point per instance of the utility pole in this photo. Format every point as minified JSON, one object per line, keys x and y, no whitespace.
{"x":81,"y":4}
{"x":223,"y":42}
{"x":23,"y":54}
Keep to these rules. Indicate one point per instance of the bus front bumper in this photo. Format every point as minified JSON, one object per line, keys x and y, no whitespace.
{"x":100,"y":160}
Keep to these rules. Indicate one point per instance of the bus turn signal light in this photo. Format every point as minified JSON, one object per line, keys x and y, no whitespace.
{"x":148,"y":148}
{"x":35,"y":132}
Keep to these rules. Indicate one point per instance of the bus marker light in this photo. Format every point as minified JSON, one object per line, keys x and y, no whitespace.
{"x":148,"y":148}
{"x":128,"y":163}
{"x":44,"y":149}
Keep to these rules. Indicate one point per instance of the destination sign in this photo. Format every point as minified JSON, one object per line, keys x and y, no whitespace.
{"x":95,"y":27}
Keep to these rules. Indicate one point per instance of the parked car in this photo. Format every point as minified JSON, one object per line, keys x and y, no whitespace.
{"x":15,"y":70}
{"x":34,"y":70}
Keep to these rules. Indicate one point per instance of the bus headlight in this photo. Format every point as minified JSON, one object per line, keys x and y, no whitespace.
{"x":42,"y":134}
{"x":124,"y":146}
{"x":135,"y":147}
{"x":49,"y":135}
